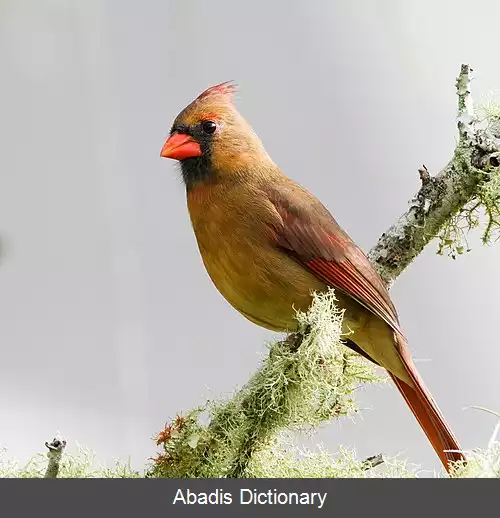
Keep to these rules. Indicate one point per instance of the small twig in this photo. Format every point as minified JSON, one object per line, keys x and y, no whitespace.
{"x":372,"y":462}
{"x":56,"y":449}
{"x":424,"y":174}
{"x":465,"y":104}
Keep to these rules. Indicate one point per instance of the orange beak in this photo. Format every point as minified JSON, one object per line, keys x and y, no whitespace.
{"x":180,"y":146}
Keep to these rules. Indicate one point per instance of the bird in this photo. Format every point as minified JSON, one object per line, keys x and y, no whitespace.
{"x":268,"y":245}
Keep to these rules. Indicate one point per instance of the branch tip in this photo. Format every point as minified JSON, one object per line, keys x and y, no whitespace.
{"x":373,"y":462}
{"x":56,"y":449}
{"x":424,"y":174}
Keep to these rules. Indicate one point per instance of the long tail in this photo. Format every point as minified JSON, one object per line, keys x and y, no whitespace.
{"x":423,"y":406}
{"x":429,"y":416}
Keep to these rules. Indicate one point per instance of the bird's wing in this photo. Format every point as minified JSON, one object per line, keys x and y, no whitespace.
{"x":310,"y":234}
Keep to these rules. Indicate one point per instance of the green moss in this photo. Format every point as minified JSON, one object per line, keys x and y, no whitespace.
{"x":282,"y":459}
{"x":481,"y":464}
{"x":484,"y":208}
{"x":285,"y":459}
{"x":301,"y":384}
{"x":82,"y":464}
{"x":294,"y":387}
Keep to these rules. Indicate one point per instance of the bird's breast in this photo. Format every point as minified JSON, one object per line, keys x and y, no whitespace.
{"x":254,"y":276}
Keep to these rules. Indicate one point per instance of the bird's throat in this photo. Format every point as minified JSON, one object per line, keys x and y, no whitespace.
{"x":196,"y":171}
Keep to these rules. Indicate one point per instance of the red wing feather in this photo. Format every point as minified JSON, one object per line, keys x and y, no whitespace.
{"x":311,"y":235}
{"x":345,"y":277}
{"x":318,"y":242}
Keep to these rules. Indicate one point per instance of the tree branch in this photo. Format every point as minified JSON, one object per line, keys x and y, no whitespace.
{"x":373,"y":462}
{"x":56,"y":449}
{"x":440,"y":196}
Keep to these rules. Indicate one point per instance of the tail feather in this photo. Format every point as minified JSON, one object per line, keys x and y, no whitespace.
{"x":427,"y":413}
{"x":422,"y":404}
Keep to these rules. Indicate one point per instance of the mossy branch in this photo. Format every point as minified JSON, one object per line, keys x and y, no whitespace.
{"x":307,"y":379}
{"x":449,"y":204}
{"x":56,"y":450}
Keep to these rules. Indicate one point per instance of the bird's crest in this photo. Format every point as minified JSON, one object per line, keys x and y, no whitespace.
{"x":225,"y":90}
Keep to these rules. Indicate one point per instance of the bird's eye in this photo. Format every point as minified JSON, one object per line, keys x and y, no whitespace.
{"x":209,"y":127}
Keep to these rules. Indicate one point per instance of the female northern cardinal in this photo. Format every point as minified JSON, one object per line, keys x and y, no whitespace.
{"x":268,"y":244}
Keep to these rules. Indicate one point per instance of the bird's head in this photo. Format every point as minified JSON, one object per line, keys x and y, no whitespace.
{"x":211,"y":139}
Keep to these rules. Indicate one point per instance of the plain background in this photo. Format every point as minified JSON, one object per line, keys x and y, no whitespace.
{"x":109,"y":324}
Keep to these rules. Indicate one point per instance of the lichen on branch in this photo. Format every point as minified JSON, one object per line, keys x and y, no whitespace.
{"x":307,"y":379}
{"x":449,"y":204}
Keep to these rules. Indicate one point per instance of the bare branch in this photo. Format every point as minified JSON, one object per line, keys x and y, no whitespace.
{"x":56,"y":449}
{"x":441,"y":196}
{"x":373,"y":462}
{"x":465,"y":104}
{"x":424,"y":174}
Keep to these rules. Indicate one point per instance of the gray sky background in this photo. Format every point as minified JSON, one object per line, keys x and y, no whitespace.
{"x":109,"y":324}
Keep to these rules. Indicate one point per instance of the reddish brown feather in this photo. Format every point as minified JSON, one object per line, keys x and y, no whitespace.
{"x":419,"y":398}
{"x":345,"y":277}
{"x":226,"y":89}
{"x":314,"y":238}
{"x":431,"y":420}
{"x":323,"y":247}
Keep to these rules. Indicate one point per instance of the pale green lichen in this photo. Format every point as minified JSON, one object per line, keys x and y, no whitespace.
{"x":481,"y":463}
{"x":282,"y":459}
{"x":295,"y":387}
{"x":484,"y":207}
{"x":488,"y":112}
{"x":252,"y":434}
{"x":82,"y":464}
{"x":285,"y":459}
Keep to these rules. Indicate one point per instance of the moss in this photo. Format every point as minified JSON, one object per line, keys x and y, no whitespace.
{"x":301,"y":384}
{"x":287,"y":460}
{"x":281,"y":459}
{"x":481,"y":463}
{"x":483,"y":207}
{"x":294,"y":387}
{"x":81,"y":464}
